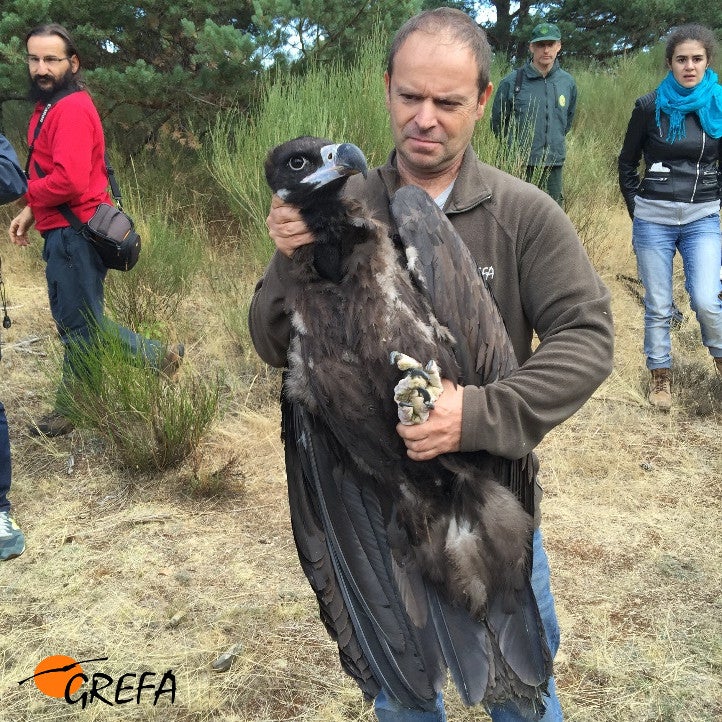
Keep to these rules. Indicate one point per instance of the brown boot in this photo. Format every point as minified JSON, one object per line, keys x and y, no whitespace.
{"x":51,"y":425}
{"x":172,"y":360}
{"x":660,"y":391}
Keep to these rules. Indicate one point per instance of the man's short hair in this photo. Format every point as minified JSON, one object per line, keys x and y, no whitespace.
{"x":459,"y":26}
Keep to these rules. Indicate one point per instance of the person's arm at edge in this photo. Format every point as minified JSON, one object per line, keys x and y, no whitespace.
{"x":12,"y":177}
{"x":268,"y":323}
{"x":15,"y":187}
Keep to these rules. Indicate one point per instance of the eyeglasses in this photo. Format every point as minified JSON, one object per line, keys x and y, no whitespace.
{"x":49,"y":60}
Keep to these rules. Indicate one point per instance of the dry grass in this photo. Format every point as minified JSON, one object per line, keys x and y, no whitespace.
{"x":169,"y":572}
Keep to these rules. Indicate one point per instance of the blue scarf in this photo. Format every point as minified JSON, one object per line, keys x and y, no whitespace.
{"x":676,"y":101}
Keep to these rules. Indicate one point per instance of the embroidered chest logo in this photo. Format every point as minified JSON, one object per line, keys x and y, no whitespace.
{"x":487,"y":272}
{"x":562,"y":101}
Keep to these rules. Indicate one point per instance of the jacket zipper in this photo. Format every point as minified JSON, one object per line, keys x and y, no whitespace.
{"x":696,"y":175}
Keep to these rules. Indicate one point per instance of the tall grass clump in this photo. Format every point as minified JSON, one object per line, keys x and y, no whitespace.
{"x":173,"y":250}
{"x":607,"y":93}
{"x":339,"y":102}
{"x":149,"y":422}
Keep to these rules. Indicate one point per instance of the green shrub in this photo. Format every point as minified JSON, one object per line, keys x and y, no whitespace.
{"x":147,"y":297}
{"x":149,"y":422}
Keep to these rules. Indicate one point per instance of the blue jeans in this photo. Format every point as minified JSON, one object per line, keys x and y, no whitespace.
{"x":5,"y":468}
{"x":699,"y":245}
{"x":75,"y":276}
{"x":388,"y":711}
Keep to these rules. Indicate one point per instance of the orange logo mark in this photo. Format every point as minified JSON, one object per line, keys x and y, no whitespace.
{"x":53,"y":674}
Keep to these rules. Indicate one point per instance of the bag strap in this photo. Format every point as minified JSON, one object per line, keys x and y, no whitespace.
{"x":71,"y":218}
{"x":64,"y":208}
{"x":519,"y":81}
{"x":114,"y":187}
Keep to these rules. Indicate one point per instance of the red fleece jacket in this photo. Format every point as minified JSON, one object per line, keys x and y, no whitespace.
{"x":70,"y":151}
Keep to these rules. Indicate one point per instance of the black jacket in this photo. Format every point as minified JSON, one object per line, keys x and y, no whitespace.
{"x":687,"y":170}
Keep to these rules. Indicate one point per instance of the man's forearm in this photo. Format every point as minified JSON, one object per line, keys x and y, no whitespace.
{"x":268,"y":322}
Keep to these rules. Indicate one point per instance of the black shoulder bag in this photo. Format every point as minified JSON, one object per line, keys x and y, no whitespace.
{"x":110,"y":230}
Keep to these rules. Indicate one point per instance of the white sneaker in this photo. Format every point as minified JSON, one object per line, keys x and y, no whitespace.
{"x":12,"y":540}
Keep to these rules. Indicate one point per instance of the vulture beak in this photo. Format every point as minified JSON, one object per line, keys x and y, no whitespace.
{"x":339,"y":161}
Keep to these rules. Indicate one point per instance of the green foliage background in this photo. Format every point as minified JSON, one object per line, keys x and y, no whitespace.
{"x":157,"y":68}
{"x":163,"y":70}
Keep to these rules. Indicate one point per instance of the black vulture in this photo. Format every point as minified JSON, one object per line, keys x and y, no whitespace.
{"x":417,"y":566}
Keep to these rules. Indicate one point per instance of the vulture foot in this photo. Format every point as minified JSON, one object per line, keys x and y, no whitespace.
{"x":417,"y":390}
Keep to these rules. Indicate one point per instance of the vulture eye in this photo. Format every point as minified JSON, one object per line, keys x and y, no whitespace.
{"x":297,"y":162}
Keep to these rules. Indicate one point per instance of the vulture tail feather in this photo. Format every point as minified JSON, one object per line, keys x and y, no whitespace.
{"x":465,"y":645}
{"x":520,"y":634}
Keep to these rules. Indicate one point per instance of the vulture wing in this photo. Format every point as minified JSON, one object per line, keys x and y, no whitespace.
{"x":447,"y":274}
{"x":341,"y":531}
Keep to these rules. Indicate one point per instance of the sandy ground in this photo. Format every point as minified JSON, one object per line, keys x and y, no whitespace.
{"x":166,"y":573}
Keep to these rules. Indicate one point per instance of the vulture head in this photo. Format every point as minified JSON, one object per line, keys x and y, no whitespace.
{"x":310,"y":173}
{"x":302,"y":169}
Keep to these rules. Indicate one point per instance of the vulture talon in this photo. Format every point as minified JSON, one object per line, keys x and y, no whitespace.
{"x":418,"y":388}
{"x":411,"y":373}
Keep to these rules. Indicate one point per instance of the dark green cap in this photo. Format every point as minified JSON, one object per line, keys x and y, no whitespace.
{"x":545,"y":31}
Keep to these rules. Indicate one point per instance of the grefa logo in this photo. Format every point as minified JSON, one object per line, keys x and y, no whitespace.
{"x":562,"y":101}
{"x":62,"y":677}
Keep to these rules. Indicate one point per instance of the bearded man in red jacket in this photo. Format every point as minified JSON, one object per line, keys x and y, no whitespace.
{"x":67,"y":166}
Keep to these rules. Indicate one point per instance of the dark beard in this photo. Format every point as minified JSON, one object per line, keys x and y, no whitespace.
{"x":41,"y":95}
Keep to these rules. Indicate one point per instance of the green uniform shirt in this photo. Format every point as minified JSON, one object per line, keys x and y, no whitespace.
{"x":543,"y":106}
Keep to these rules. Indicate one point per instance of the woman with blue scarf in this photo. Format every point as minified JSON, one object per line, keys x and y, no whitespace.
{"x":675,"y":206}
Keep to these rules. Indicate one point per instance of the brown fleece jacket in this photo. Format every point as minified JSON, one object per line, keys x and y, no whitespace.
{"x":542,"y":279}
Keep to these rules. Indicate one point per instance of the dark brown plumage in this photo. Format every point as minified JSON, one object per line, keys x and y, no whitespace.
{"x":416,"y":565}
